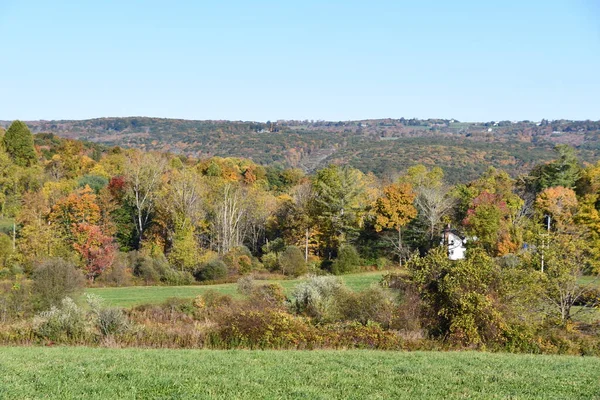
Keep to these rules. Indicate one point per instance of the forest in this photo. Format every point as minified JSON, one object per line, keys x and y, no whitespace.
{"x":76,"y":214}
{"x":385,"y":147}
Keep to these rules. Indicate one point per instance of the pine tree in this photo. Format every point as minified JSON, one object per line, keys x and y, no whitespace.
{"x":18,"y":142}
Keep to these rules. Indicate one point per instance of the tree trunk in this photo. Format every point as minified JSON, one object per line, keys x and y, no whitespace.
{"x":306,"y":247}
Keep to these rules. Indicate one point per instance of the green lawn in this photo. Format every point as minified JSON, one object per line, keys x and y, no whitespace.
{"x":135,"y":295}
{"x":100,"y":373}
{"x":591,"y":280}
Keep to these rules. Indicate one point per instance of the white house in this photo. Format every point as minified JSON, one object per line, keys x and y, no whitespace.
{"x":455,"y":244}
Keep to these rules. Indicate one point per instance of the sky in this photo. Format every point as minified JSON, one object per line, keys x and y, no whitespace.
{"x":300,"y":59}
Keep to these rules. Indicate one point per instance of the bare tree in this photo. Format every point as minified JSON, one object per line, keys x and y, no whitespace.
{"x":144,"y":172}
{"x":185,"y":196}
{"x":227,"y":222}
{"x":433,"y":203}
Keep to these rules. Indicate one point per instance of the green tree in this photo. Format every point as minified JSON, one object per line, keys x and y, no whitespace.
{"x":348,"y":260}
{"x":184,"y":253}
{"x":18,"y":142}
{"x":338,"y":205}
{"x":292,"y":261}
{"x":564,"y":171}
{"x":460,"y":300}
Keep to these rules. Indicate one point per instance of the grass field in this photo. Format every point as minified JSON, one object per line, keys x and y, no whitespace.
{"x":79,"y":372}
{"x":135,"y":295}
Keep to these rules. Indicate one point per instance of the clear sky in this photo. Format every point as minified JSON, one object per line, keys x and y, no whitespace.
{"x":300,"y":59}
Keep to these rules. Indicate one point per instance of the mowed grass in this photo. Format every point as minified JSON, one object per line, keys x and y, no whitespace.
{"x":100,"y":373}
{"x":135,"y":295}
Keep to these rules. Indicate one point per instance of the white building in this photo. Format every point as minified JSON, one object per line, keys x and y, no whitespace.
{"x":455,"y":244}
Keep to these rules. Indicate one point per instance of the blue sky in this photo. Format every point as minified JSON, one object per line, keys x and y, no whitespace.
{"x":269,"y":60}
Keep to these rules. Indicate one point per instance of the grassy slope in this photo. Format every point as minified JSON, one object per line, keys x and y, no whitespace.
{"x":134,"y":373}
{"x":131,"y":296}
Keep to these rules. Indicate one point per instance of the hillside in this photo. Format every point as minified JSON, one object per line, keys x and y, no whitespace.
{"x":385,"y":146}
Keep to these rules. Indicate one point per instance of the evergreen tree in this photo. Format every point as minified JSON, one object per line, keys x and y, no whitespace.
{"x":18,"y":142}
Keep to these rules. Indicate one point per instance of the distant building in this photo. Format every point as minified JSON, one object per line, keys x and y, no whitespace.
{"x":455,"y":244}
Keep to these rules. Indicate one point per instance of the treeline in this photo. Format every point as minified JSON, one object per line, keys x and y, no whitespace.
{"x":127,"y":216}
{"x":377,"y":146}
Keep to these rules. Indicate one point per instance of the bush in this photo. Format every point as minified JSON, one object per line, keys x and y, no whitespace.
{"x":382,"y":263}
{"x":272,"y":294}
{"x":270,"y":261}
{"x":55,"y":279}
{"x":119,"y":274}
{"x":61,"y":324}
{"x":145,"y":269}
{"x":292,"y":261}
{"x":15,"y":300}
{"x":157,"y":269}
{"x":264,"y":329}
{"x":370,"y":305}
{"x":6,"y":249}
{"x":316,"y":297}
{"x":108,"y":320}
{"x":212,"y":299}
{"x":245,"y":285}
{"x":112,"y":321}
{"x":347,"y":261}
{"x":212,"y":271}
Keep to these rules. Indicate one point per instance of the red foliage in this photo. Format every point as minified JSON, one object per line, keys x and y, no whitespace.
{"x":116,"y":186}
{"x":95,"y":248}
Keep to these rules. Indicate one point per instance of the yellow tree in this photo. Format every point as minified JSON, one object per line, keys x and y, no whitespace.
{"x":394,"y":210}
{"x":560,"y":203}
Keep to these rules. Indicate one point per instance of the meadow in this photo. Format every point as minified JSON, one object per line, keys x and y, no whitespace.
{"x":135,"y":295}
{"x":78,"y":372}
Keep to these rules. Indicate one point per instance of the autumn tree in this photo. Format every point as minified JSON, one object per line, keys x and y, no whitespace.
{"x":79,"y":207}
{"x":559,"y":203}
{"x":394,"y":210}
{"x":97,"y":250}
{"x":488,"y":219}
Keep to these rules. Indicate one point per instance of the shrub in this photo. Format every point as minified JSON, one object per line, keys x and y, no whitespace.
{"x":316,"y":297}
{"x":212,"y":271}
{"x":177,"y":278}
{"x":370,"y":305}
{"x":61,"y":324}
{"x":270,"y":261}
{"x":6,"y":249}
{"x":245,"y":285}
{"x":382,"y":263}
{"x":292,"y":261}
{"x":55,"y":279}
{"x":264,"y":329}
{"x":108,"y":320}
{"x":118,"y":274}
{"x":111,"y":321}
{"x":211,"y":299}
{"x":271,"y":294}
{"x":157,"y":269}
{"x":347,"y":261}
{"x":145,"y":269}
{"x":15,"y":299}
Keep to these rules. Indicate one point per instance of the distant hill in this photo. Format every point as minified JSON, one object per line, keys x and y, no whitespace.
{"x":383,"y":146}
